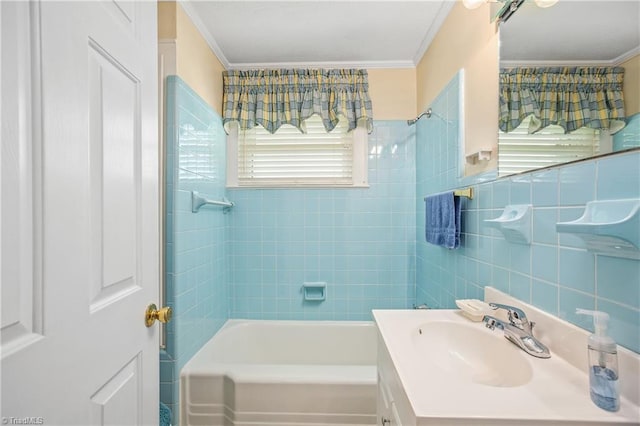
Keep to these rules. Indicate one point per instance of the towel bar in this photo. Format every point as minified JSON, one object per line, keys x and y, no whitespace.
{"x":466,"y":192}
{"x":197,"y":201}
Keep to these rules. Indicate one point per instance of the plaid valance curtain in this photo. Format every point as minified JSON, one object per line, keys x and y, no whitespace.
{"x":570,"y":97}
{"x":272,"y":98}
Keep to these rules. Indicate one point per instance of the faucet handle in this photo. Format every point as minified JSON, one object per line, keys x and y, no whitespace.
{"x":491,"y":323}
{"x":517,"y":316}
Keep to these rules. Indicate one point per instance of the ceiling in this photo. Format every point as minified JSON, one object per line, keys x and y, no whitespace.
{"x":572,"y":31}
{"x":348,"y":33}
{"x":396,"y":33}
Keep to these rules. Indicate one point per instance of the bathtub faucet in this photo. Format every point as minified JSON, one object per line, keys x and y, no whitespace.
{"x":519,"y":330}
{"x":423,"y":306}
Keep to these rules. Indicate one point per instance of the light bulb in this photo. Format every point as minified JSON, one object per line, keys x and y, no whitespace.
{"x":545,"y":3}
{"x":473,"y":4}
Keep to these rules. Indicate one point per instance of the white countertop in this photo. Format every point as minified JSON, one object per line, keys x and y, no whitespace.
{"x":557,"y":391}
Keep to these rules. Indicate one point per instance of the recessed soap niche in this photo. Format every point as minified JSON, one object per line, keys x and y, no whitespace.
{"x":314,"y":291}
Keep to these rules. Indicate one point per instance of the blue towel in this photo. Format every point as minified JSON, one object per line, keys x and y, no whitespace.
{"x":443,"y":220}
{"x":165,"y":415}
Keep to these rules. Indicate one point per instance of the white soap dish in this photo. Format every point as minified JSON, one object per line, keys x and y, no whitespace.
{"x":474,"y":309}
{"x":514,"y":223}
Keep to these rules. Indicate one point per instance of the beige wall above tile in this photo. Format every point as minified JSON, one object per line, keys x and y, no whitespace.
{"x":393,"y":93}
{"x":166,"y":20}
{"x":467,"y":40}
{"x":196,"y":63}
{"x":631,"y":88}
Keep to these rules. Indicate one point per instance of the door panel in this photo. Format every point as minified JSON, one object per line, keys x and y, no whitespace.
{"x":83,"y":210}
{"x":118,"y":401}
{"x":114,"y":131}
{"x":21,"y":286}
{"x":125,"y":12}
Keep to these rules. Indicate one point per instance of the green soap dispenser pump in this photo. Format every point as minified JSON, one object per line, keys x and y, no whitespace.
{"x":603,"y":363}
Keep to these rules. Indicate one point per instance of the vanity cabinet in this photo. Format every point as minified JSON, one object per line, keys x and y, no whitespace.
{"x":438,"y":368}
{"x":387,"y":412}
{"x":393,"y":405}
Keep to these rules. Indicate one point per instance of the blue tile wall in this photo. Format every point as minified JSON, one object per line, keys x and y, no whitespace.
{"x":629,"y":136}
{"x":359,"y":241}
{"x":438,"y":169}
{"x":555,"y":272}
{"x":195,"y":259}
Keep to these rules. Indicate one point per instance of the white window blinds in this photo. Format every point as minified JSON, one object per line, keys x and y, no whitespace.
{"x":520,"y":151}
{"x":290,"y":158}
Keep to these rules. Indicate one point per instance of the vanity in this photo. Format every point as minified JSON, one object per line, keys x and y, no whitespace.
{"x":439,"y":368}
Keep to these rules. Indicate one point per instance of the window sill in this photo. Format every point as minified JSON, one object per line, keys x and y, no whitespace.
{"x":300,"y":186}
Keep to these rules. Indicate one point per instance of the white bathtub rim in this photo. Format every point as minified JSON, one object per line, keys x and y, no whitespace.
{"x":196,"y":365}
{"x":230,"y":324}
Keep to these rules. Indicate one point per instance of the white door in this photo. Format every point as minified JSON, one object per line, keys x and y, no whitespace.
{"x":79,"y":212}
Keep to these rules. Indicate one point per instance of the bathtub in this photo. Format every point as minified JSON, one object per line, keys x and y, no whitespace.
{"x":282,"y":373}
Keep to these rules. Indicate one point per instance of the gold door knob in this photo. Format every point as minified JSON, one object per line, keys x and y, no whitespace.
{"x":153,"y":313}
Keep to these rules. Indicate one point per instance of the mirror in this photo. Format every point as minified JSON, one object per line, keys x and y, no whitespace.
{"x":575,"y":34}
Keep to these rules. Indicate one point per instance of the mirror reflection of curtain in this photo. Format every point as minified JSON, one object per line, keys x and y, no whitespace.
{"x":570,"y":97}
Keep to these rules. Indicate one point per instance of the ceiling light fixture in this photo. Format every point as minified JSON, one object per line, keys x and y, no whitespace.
{"x":474,"y":4}
{"x":509,"y":8}
{"x":545,"y":3}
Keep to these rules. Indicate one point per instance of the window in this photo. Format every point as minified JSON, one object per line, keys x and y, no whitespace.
{"x":520,"y":151}
{"x":288,"y":158}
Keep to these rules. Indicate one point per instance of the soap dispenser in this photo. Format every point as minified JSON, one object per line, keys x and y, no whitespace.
{"x":603,"y":363}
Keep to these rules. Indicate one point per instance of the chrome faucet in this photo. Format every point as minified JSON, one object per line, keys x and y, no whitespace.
{"x":519,"y":330}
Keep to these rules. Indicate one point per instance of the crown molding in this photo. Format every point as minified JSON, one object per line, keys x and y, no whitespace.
{"x":513,"y":64}
{"x":626,"y":56}
{"x":355,"y":64}
{"x":442,"y":14}
{"x":582,"y":63}
{"x":197,"y":22}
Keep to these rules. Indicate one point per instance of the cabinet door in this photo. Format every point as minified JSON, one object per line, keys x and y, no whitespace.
{"x":385,"y":403}
{"x":395,"y":416}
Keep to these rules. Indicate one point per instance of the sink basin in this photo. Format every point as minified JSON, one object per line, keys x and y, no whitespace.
{"x":471,"y":353}
{"x":439,"y":368}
